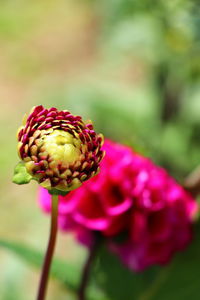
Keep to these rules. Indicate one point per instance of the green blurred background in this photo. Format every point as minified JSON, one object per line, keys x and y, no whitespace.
{"x":131,"y":66}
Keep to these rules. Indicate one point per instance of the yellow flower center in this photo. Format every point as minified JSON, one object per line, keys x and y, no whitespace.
{"x":62,"y":147}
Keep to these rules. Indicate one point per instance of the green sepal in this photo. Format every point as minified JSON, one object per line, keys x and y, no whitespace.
{"x":57,"y":192}
{"x":21,"y":176}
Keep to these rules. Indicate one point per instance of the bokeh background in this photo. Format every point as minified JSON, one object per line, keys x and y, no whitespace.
{"x":131,"y":66}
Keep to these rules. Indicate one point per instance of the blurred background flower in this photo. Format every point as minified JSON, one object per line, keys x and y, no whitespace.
{"x":133,"y":197}
{"x":133,"y":67}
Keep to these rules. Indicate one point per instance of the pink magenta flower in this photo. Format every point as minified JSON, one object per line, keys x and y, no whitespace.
{"x":130,"y":195}
{"x":57,"y":149}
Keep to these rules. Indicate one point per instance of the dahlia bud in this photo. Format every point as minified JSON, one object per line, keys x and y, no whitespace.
{"x":58,"y":149}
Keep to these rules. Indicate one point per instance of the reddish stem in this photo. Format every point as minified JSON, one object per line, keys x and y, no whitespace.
{"x":50,"y":250}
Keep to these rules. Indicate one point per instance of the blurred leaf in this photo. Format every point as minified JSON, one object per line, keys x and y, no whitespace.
{"x":137,"y":38}
{"x":121,"y":114}
{"x":64,"y":272}
{"x":179,"y":280}
{"x":175,"y":148}
{"x":119,"y":282}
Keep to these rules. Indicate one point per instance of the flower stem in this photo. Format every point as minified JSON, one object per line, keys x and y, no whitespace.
{"x":50,"y":250}
{"x":87,"y":269}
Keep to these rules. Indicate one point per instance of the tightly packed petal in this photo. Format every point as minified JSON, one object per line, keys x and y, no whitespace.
{"x":134,"y":197}
{"x":58,"y":149}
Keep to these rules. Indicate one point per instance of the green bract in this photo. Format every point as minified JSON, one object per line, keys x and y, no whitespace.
{"x":21,"y":176}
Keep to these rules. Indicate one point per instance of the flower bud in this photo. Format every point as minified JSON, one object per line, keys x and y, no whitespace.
{"x":58,"y":149}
